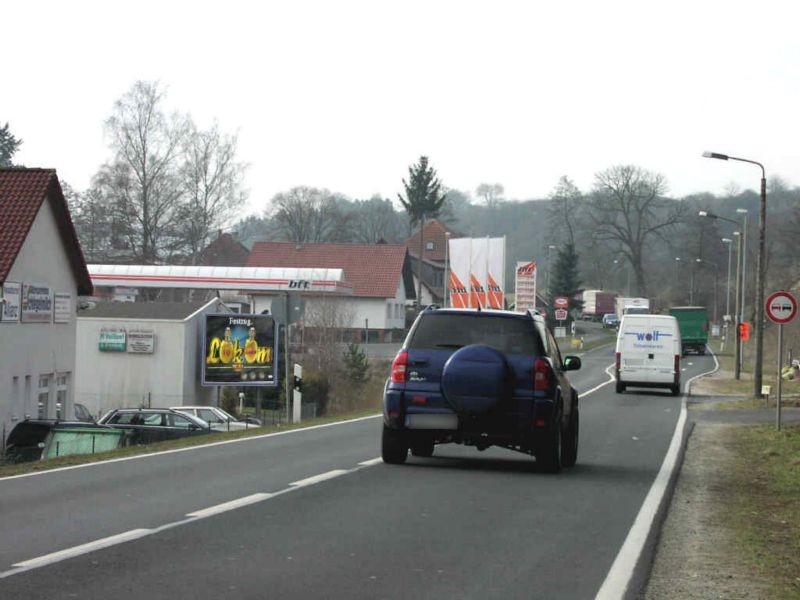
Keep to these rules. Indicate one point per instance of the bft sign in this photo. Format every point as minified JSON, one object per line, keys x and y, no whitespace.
{"x":781,"y":308}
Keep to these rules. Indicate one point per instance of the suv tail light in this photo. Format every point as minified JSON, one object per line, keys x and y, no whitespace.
{"x":618,"y":360}
{"x":400,"y":367}
{"x":542,"y":375}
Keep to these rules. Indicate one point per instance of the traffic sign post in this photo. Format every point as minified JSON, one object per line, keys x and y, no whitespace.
{"x":781,"y":308}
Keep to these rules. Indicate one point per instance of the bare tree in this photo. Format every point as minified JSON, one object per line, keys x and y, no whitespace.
{"x":627,"y":208}
{"x":373,"y":220}
{"x":491,"y":193}
{"x":212,"y":182}
{"x":327,"y":319}
{"x":308,"y":215}
{"x":141,"y":184}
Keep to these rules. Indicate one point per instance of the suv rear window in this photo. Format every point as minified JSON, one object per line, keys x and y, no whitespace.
{"x":506,"y":334}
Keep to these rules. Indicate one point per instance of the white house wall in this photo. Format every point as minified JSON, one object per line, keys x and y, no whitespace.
{"x":29,"y":350}
{"x":107,"y":380}
{"x":382,"y":313}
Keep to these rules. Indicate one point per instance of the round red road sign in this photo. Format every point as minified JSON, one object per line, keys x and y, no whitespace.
{"x":781,"y":307}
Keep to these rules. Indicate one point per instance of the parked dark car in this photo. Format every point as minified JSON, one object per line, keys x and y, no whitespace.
{"x":481,"y":378}
{"x":150,"y":425}
{"x":35,"y":439}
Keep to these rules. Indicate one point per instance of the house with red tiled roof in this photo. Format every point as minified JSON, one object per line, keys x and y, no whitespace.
{"x":379,"y":275}
{"x":42,"y":273}
{"x":434,"y":256}
{"x":224,"y":251}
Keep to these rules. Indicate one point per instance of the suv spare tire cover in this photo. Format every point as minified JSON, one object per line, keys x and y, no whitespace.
{"x":476,"y":378}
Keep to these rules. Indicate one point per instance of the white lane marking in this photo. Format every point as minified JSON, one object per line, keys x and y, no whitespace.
{"x":177,"y":450}
{"x":54,"y":557}
{"x":318,"y":478}
{"x":619,"y":576}
{"x":371,"y":462}
{"x":61,"y":555}
{"x":226,"y":506}
{"x":597,"y":387}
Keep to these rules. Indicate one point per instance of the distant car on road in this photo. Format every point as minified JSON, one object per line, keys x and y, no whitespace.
{"x":610,"y":321}
{"x":150,"y":425}
{"x":217,"y":418}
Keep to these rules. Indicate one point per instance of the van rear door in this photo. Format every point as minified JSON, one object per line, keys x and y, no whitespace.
{"x":648,"y":349}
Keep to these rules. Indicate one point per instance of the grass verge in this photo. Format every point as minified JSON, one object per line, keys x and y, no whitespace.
{"x":7,"y":470}
{"x":765,"y":518}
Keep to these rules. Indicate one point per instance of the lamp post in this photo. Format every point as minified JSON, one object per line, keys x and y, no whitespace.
{"x":744,"y":260}
{"x":691,"y":287}
{"x":739,"y":285}
{"x":758,"y":305}
{"x":728,"y":242}
{"x":549,"y":248}
{"x":677,"y":263}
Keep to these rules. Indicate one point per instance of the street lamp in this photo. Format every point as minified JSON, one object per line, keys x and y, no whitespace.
{"x":760,"y":268}
{"x":691,"y":287}
{"x":728,"y":242}
{"x":677,"y":262}
{"x":739,"y":317}
{"x":549,"y":248}
{"x":744,"y":260}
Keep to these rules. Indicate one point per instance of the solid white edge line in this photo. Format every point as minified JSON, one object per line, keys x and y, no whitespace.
{"x":371,"y":462}
{"x":619,"y":576}
{"x":319,"y":478}
{"x":231,"y":505}
{"x":177,"y":450}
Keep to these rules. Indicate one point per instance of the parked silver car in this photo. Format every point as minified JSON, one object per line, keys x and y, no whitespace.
{"x":217,"y":418}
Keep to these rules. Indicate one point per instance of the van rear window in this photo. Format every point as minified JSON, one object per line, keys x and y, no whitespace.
{"x":506,"y":334}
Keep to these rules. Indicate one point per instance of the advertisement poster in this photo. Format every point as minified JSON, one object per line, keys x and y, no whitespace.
{"x":141,"y":341}
{"x":62,"y":307}
{"x":240,"y":350}
{"x":525,"y":289}
{"x":12,"y":296}
{"x":112,"y":339}
{"x":37,"y":303}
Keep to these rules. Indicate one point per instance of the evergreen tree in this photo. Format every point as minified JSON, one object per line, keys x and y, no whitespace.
{"x":424,"y":198}
{"x":565,"y":281}
{"x":8,"y":146}
{"x":356,"y":365}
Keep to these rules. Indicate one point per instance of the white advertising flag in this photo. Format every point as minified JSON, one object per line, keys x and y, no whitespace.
{"x":459,"y":254}
{"x":495,"y":277}
{"x":478,"y":269}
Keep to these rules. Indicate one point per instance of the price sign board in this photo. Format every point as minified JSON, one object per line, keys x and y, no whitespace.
{"x":561,"y":314}
{"x":781,"y":307}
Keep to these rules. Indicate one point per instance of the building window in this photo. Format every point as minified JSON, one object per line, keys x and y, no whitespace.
{"x":44,"y":395}
{"x":62,"y":385}
{"x":430,"y":246}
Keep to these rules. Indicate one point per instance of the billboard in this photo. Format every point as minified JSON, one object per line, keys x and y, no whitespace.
{"x":240,"y":350}
{"x":477,"y":278}
{"x":12,"y":296}
{"x":37,"y":303}
{"x":525,"y":288}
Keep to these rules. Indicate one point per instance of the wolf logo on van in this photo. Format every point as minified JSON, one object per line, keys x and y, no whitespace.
{"x":648,"y":337}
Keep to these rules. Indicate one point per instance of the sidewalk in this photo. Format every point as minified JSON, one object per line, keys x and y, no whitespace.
{"x":694,"y":556}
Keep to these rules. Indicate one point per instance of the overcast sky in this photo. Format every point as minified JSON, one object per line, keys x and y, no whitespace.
{"x":346,"y":94}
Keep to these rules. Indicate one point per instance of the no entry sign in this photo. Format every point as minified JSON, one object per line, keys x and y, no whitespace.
{"x":781,"y":307}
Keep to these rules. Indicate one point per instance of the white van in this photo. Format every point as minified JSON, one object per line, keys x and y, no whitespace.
{"x":648,"y":352}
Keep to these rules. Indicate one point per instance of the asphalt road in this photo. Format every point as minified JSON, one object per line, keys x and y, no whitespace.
{"x":315,"y":514}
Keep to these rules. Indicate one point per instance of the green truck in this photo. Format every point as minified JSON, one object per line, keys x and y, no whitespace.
{"x":693,"y":324}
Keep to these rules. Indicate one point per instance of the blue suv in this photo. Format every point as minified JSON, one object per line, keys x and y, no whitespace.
{"x":481,"y":378}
